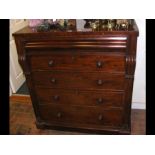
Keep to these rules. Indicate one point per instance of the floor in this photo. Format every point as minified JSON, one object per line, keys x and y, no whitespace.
{"x":22,"y":121}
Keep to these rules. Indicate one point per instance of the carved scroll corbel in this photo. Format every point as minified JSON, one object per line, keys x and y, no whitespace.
{"x":22,"y":61}
{"x":130,"y":66}
{"x":22,"y":56}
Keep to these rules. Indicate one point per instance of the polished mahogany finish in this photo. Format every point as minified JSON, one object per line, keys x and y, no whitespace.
{"x":77,"y":115}
{"x":65,"y":97}
{"x":77,"y":61}
{"x":95,"y":80}
{"x":78,"y":79}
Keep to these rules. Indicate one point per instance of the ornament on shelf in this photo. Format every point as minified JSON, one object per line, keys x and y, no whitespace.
{"x":35,"y":22}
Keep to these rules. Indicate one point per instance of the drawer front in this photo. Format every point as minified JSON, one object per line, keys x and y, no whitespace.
{"x":79,"y":80}
{"x":77,"y":97}
{"x":81,"y":115}
{"x":81,"y":61}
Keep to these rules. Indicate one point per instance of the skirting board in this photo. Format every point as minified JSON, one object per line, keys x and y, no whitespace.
{"x":138,"y":105}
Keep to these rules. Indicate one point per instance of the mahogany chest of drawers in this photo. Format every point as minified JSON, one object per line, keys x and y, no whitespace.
{"x":80,"y":81}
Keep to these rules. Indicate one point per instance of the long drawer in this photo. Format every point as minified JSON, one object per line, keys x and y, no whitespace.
{"x":78,"y":97}
{"x":81,"y":115}
{"x":79,"y":80}
{"x":98,"y":61}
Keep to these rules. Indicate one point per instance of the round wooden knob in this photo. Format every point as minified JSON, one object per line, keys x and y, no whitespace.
{"x":73,"y":58}
{"x":50,"y":63}
{"x":99,"y":82}
{"x":100,"y":117}
{"x":100,"y":100}
{"x":53,"y":80}
{"x":99,"y":64}
{"x":56,"y":97}
{"x":59,"y":114}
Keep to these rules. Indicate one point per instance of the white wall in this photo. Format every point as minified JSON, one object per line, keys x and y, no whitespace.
{"x":139,"y":96}
{"x":17,"y":77}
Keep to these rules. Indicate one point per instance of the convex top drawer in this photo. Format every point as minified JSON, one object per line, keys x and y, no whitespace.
{"x":86,"y":61}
